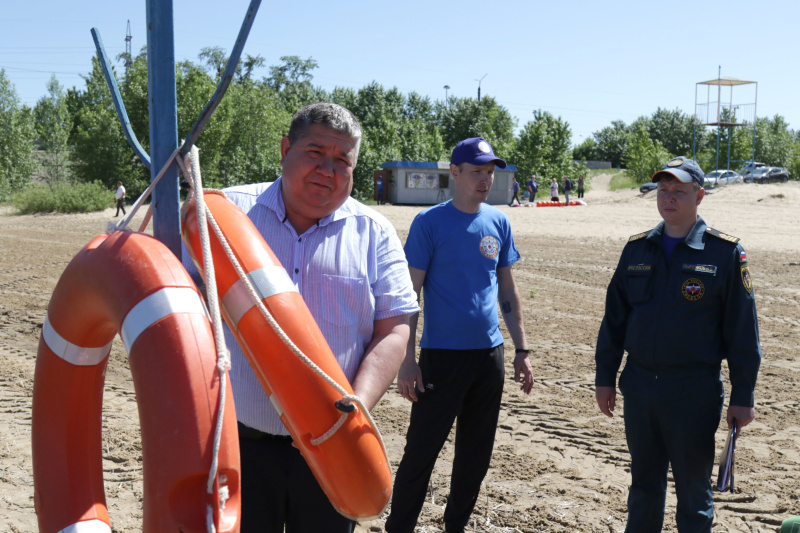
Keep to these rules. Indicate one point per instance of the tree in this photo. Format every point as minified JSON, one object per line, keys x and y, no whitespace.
{"x":544,"y":148}
{"x":644,"y":156}
{"x":673,"y":130}
{"x":468,"y":117}
{"x":612,"y":143}
{"x":53,"y":125}
{"x":17,"y":135}
{"x":292,"y":81}
{"x":586,"y":151}
{"x":215,"y":59}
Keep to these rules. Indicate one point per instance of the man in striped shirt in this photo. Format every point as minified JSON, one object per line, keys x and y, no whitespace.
{"x":348,"y":264}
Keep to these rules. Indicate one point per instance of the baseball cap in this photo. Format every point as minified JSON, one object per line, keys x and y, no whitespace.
{"x":686,"y":170}
{"x":475,"y":151}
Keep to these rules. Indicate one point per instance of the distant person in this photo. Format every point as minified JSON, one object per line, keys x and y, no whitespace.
{"x":120,"y":196}
{"x":533,"y":188}
{"x":554,"y":190}
{"x":515,"y":189}
{"x":460,"y":253}
{"x":580,"y":186}
{"x":567,"y":188}
{"x":680,"y":301}
{"x":379,"y":189}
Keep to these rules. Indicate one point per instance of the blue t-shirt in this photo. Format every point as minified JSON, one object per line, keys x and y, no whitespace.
{"x":460,"y":254}
{"x":669,"y":245}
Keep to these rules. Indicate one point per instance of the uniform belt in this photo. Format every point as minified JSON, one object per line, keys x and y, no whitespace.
{"x":246,"y":432}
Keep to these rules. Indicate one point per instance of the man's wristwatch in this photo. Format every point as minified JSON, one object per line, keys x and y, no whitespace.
{"x":522,"y":350}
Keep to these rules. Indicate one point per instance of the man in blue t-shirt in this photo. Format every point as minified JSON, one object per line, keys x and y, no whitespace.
{"x":460,"y":252}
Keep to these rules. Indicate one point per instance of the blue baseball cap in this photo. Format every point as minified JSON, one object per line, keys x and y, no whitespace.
{"x":684,"y":169}
{"x":475,"y":151}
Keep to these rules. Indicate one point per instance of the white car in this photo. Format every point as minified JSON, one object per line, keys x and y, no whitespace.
{"x":724,"y":177}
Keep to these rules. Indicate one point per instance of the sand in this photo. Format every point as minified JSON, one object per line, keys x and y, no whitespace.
{"x":558,"y":464}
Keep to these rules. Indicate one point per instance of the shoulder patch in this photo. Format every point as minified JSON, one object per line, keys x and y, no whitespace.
{"x":638,"y":236}
{"x":723,"y":236}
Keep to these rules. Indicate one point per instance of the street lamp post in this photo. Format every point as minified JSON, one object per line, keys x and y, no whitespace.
{"x":446,"y":101}
{"x":479,"y":86}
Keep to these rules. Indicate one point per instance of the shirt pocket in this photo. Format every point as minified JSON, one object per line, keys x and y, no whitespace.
{"x":639,"y":283}
{"x":344,"y":301}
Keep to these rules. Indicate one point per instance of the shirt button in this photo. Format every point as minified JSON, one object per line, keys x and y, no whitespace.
{"x":300,"y":239}
{"x":296,"y":270}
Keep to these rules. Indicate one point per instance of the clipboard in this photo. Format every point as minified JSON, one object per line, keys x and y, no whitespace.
{"x":726,"y":461}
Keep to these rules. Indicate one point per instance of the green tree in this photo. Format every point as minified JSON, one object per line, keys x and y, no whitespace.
{"x":644,"y":156}
{"x":673,"y":129}
{"x":53,"y":125}
{"x":544,"y":148}
{"x":17,"y":136}
{"x":586,"y":151}
{"x":612,"y":143}
{"x":292,"y":81}
{"x":468,"y":117}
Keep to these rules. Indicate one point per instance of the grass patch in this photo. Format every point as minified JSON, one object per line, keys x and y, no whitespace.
{"x":63,"y":198}
{"x":623,"y":181}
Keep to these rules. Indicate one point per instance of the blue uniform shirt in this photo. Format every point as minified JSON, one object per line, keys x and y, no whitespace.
{"x":460,"y":254}
{"x":691,"y":315}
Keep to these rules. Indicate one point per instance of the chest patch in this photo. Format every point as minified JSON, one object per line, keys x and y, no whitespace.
{"x":490,"y":247}
{"x":693,"y":289}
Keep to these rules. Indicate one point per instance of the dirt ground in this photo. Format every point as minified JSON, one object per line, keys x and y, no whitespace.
{"x":558,"y":465}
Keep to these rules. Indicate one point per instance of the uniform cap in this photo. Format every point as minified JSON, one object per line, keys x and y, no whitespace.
{"x":475,"y":151}
{"x":684,"y":169}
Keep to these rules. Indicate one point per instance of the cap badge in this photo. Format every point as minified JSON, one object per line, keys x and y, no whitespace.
{"x":483,"y":146}
{"x":675,"y":162}
{"x":693,"y":289}
{"x":489,"y":247}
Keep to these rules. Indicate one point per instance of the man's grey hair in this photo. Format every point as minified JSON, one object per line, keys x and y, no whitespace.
{"x":327,"y":114}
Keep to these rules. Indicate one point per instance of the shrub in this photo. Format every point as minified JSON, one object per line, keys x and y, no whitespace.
{"x":63,"y":198}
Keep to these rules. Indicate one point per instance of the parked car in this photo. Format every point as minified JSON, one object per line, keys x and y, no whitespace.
{"x":770,"y":175}
{"x":746,"y":172}
{"x":723,"y":177}
{"x":647,"y":187}
{"x":710,"y":180}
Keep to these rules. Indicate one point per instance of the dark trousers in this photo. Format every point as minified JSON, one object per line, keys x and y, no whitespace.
{"x":580,"y":192}
{"x":466,"y":385}
{"x":670,"y":419}
{"x":120,"y":205}
{"x":278,"y":488}
{"x":515,"y":197}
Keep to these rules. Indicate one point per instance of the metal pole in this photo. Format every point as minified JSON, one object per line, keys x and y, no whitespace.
{"x":163,"y":122}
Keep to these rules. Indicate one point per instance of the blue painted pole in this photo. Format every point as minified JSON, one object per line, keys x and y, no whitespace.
{"x":163,"y":106}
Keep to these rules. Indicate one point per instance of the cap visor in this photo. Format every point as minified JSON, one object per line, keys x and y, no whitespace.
{"x":681,"y":175}
{"x":488,"y":158}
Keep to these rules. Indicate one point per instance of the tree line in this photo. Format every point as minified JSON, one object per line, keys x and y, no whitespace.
{"x":73,"y":135}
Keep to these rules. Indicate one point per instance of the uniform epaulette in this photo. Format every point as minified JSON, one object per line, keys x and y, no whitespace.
{"x":638,"y":236}
{"x":723,"y":236}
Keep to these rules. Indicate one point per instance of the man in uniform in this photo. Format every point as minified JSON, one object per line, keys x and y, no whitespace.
{"x":680,"y":301}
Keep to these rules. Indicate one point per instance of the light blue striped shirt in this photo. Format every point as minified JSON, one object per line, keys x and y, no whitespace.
{"x":350,"y":269}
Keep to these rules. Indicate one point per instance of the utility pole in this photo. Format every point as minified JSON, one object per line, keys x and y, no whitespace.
{"x":128,"y":55}
{"x":446,"y":101}
{"x":479,"y":86}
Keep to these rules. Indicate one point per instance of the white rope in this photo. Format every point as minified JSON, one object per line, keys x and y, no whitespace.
{"x":223,"y":356}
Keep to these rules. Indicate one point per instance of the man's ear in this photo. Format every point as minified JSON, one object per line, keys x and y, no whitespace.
{"x":285,"y":145}
{"x":700,"y":195}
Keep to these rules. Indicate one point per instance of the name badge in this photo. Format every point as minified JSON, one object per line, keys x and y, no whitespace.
{"x":711,"y":270}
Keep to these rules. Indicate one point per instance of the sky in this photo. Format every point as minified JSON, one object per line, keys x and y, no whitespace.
{"x":587,"y":62}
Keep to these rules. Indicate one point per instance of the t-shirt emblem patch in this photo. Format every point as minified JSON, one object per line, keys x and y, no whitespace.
{"x":746,"y":281}
{"x":490,"y":247}
{"x":693,"y":289}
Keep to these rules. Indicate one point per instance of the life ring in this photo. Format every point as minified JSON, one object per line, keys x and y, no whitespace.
{"x":351,"y":465}
{"x":132,"y":284}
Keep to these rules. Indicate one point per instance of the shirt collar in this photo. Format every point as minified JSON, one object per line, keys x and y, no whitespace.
{"x":272,"y":198}
{"x":694,"y":239}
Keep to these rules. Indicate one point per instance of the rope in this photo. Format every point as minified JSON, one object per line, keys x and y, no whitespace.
{"x":223,"y":356}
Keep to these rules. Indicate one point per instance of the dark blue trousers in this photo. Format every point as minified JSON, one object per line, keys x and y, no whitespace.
{"x":459,"y":384}
{"x":670,"y":419}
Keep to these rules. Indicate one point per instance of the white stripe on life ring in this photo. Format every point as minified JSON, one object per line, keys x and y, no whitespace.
{"x":72,"y":353}
{"x":267,"y":281}
{"x":160,"y":304}
{"x":87,"y":526}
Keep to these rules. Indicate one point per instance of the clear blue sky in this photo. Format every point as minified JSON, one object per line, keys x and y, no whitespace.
{"x":588,"y":62}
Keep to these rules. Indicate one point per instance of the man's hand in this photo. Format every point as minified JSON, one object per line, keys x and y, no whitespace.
{"x":743,"y":416}
{"x":409,"y":380}
{"x":523,"y":372}
{"x":606,"y":400}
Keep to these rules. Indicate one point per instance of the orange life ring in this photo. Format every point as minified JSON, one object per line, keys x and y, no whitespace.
{"x":351,"y":465}
{"x":132,"y":284}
